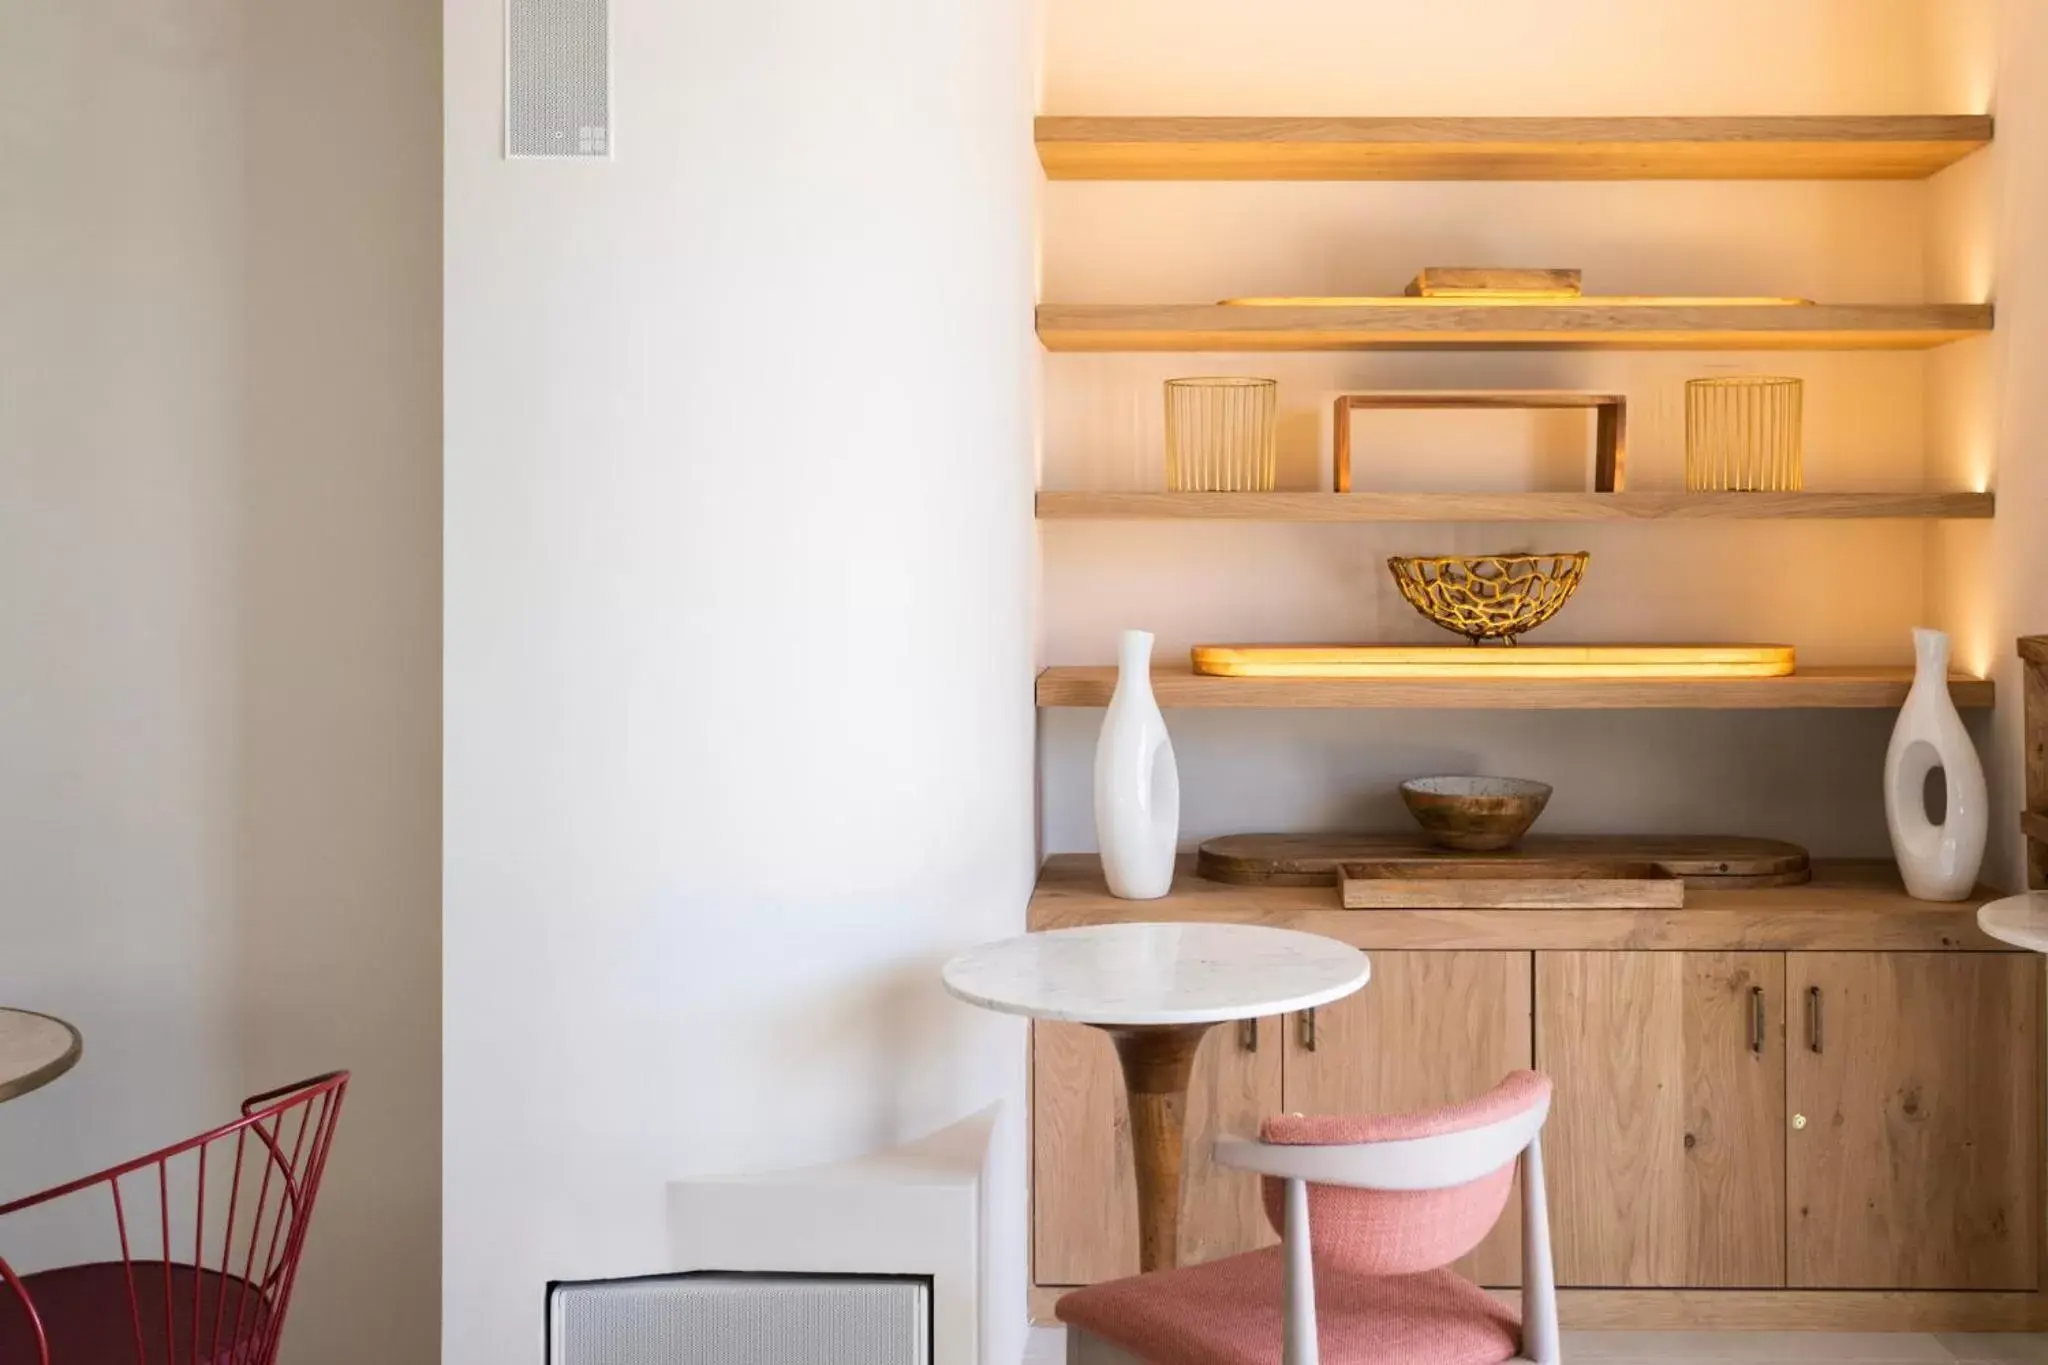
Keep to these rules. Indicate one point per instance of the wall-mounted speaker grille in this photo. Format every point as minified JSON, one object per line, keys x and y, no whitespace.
{"x":558,"y":79}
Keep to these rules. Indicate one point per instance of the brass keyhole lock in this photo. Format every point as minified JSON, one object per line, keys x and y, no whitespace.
{"x":1799,"y":1121}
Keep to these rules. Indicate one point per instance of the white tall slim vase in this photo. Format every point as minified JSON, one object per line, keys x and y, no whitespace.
{"x":1137,"y":786}
{"x":1939,"y":862}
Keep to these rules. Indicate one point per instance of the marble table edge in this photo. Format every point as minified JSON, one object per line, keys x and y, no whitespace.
{"x":2021,"y":920}
{"x":1139,"y":1018}
{"x":1346,"y":969}
{"x":14,"y":1087}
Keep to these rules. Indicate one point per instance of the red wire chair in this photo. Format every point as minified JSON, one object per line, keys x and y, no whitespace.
{"x":250,"y":1208}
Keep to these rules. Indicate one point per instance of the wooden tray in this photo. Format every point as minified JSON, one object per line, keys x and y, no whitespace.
{"x":1705,"y":862}
{"x":1458,"y":883}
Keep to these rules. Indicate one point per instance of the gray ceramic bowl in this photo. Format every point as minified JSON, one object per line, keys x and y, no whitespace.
{"x":1475,"y":814}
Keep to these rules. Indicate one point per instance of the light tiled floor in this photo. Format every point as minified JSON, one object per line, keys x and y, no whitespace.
{"x":1047,"y":1346}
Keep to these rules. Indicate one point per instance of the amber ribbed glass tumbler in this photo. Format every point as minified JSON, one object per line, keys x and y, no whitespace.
{"x":1222,"y":435}
{"x":1742,"y":435}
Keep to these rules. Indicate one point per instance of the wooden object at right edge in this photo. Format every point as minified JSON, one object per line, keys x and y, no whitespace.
{"x":2034,"y":820}
{"x":1610,"y":438}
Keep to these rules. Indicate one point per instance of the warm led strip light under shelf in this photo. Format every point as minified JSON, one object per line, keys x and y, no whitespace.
{"x":1495,"y":661}
{"x":1516,"y":301}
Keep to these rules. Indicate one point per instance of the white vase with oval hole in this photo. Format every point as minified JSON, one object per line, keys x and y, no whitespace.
{"x":1939,"y":860}
{"x":1137,"y":786}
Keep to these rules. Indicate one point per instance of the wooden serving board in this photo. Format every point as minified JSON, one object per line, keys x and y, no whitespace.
{"x":1494,"y":282}
{"x":1705,"y":862}
{"x":1454,"y":883}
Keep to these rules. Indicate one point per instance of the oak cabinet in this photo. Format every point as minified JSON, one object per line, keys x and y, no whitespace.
{"x":1728,"y":1120}
{"x":1430,"y":1029}
{"x":1084,"y":1197}
{"x":1915,"y":1145}
{"x":1664,"y":1147}
{"x":1811,"y":1120}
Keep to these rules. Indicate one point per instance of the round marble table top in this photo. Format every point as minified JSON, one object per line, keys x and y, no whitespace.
{"x":2019,"y":920}
{"x":1135,"y":974}
{"x":34,"y":1050}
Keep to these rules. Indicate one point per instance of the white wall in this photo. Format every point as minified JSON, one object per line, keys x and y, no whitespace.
{"x":121,"y":357}
{"x":1840,"y":592}
{"x":1990,"y":401}
{"x":739,"y":579}
{"x":218,"y":535}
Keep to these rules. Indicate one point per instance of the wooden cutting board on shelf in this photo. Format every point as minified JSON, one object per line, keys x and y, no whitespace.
{"x":1705,"y":862}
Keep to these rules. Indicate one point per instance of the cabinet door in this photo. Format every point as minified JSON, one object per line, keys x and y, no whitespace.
{"x":1665,"y":1147}
{"x":1084,"y":1197}
{"x":1918,"y":1079}
{"x":1429,"y":1029}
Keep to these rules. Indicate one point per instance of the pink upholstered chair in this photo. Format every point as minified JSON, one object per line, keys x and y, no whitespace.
{"x":1372,"y":1211}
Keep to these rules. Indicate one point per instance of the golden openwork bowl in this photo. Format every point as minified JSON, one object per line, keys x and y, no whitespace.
{"x":1489,"y":597}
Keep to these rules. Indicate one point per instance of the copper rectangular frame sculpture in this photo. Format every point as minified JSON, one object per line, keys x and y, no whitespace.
{"x":2034,"y":820}
{"x":1610,"y":440}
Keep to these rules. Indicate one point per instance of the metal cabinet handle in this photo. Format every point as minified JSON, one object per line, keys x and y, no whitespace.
{"x":1308,"y":1030}
{"x":1248,"y":1034}
{"x":1756,"y":1020}
{"x":1813,"y":1017}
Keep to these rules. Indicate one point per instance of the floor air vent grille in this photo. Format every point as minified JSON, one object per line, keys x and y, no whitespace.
{"x":710,"y":1319}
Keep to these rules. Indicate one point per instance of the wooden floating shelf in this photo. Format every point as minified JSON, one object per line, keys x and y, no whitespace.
{"x":1850,"y":905}
{"x":1908,"y":147}
{"x":1397,"y":325}
{"x":1810,"y":688}
{"x":1442,"y":507}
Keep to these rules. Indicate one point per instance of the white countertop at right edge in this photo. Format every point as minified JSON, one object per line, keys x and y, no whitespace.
{"x":2019,"y":920}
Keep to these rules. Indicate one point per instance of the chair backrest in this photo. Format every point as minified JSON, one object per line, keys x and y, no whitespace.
{"x":202,"y":1244}
{"x":1400,"y":1226}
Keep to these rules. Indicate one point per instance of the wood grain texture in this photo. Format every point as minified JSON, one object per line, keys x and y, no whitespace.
{"x":1811,"y":1310}
{"x":1919,"y":1164}
{"x":1433,"y":1028}
{"x":1665,"y":1139}
{"x":1734,"y":1114}
{"x":1158,"y":1065}
{"x":2034,"y":824}
{"x":1610,"y":1034}
{"x":1236,"y":1087}
{"x":1189,"y":327}
{"x":1493,"y":281}
{"x":1178,"y":685}
{"x":1514,"y":507}
{"x":1084,"y":1196}
{"x":1370,"y":886}
{"x":2033,"y":651}
{"x":1849,"y":905}
{"x":1706,"y":862}
{"x":1755,"y":1310}
{"x":1763,"y":148}
{"x":1084,"y":1192}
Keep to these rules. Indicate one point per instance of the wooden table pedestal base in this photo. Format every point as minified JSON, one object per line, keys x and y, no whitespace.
{"x":1158,"y":1061}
